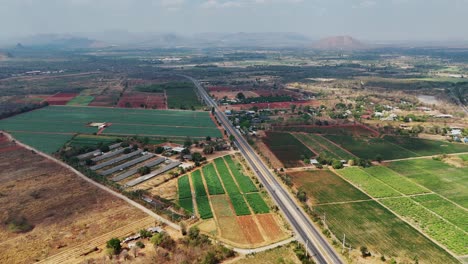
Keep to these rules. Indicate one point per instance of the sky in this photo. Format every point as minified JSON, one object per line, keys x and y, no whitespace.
{"x":439,"y":20}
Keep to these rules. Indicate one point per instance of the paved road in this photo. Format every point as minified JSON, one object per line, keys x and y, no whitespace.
{"x":307,"y":233}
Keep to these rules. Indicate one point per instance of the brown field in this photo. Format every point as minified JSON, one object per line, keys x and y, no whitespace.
{"x":221,"y":206}
{"x":270,"y":225}
{"x":230,"y":230}
{"x":232,"y":94}
{"x":283,"y":255}
{"x":250,"y":229}
{"x":61,"y":209}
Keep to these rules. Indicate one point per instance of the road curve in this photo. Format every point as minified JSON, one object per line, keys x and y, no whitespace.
{"x":307,"y":233}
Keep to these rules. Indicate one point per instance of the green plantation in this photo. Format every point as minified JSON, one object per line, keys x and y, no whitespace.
{"x":60,"y":121}
{"x":288,"y":149}
{"x":219,"y":182}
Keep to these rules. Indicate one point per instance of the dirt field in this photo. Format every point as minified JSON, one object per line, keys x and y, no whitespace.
{"x":250,"y":229}
{"x":232,"y":94}
{"x":271,"y":226}
{"x":143,"y":100}
{"x":45,"y":209}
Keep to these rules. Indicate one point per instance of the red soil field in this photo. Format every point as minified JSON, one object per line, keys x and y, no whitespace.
{"x":137,"y":99}
{"x":60,"y":98}
{"x":9,"y":149}
{"x":250,"y":229}
{"x":269,"y":224}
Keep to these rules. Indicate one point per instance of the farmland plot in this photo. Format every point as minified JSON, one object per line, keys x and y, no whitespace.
{"x":228,"y":181}
{"x":439,"y":177}
{"x":185,"y":193}
{"x":395,"y":180}
{"x":212,"y":180}
{"x":288,"y":149}
{"x":427,"y":147}
{"x":369,"y":184}
{"x":318,"y":149}
{"x":257,"y":203}
{"x":245,"y":183}
{"x":444,"y":232}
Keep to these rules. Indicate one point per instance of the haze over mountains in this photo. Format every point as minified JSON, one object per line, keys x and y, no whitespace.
{"x":123,"y":39}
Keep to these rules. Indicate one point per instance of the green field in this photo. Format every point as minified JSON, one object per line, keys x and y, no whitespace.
{"x":369,"y":224}
{"x":81,"y":100}
{"x":369,"y":148}
{"x":239,"y":204}
{"x":395,"y":147}
{"x":316,"y":147}
{"x":442,"y":231}
{"x":185,"y":193}
{"x":204,"y":208}
{"x":368,"y":183}
{"x":197,"y":181}
{"x":180,"y":95}
{"x":324,"y":186}
{"x":288,"y":149}
{"x":322,"y":146}
{"x":91,"y":140}
{"x":437,"y":176}
{"x":245,"y":183}
{"x":451,"y":212}
{"x":72,"y":120}
{"x":395,"y":180}
{"x":47,"y":143}
{"x":225,"y":175}
{"x":212,"y":180}
{"x":257,"y":203}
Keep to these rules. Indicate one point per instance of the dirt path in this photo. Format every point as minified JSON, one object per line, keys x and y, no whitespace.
{"x":75,"y":253}
{"x":100,"y":186}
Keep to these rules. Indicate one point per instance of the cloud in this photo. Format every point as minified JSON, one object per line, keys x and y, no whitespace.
{"x":365,"y":4}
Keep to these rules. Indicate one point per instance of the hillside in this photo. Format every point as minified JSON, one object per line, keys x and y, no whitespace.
{"x":339,"y":42}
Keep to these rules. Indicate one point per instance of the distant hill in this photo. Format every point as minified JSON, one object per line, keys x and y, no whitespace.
{"x":339,"y":42}
{"x":60,"y":41}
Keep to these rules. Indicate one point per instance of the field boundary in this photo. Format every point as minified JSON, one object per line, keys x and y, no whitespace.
{"x":399,"y":216}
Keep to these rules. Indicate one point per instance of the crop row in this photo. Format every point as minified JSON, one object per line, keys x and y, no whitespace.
{"x":198,"y":183}
{"x":369,"y":184}
{"x":184,"y":187}
{"x":395,"y":180}
{"x":212,"y":180}
{"x":318,"y":149}
{"x":452,"y":213}
{"x":204,"y":208}
{"x":257,"y":203}
{"x":446,"y":233}
{"x":187,"y":204}
{"x":245,"y":183}
{"x":239,"y":204}
{"x":228,"y":181}
{"x":332,"y":147}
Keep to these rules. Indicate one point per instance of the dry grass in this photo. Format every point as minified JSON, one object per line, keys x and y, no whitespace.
{"x":62,"y":209}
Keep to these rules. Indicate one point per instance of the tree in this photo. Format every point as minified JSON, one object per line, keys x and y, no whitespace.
{"x":159,"y":150}
{"x":232,"y":138}
{"x":194,"y":232}
{"x":127,"y":150}
{"x":336,"y":164}
{"x":378,"y":158}
{"x":105,"y":148}
{"x":364,"y":251}
{"x":240,"y":96}
{"x":197,"y":156}
{"x":208,"y":149}
{"x":208,"y":138}
{"x":145,"y":233}
{"x":114,"y":245}
{"x":188,"y":142}
{"x":144,"y":170}
{"x":293,"y":108}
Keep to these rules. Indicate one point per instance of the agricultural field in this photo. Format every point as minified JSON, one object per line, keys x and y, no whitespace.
{"x":370,"y":148}
{"x":365,"y":222}
{"x":48,"y":210}
{"x":180,"y":95}
{"x":446,"y":233}
{"x":395,"y":180}
{"x":395,"y":147}
{"x":324,"y":186}
{"x":81,"y":100}
{"x":92,"y":141}
{"x":47,"y":143}
{"x":322,"y":146}
{"x":437,"y":176}
{"x":66,"y":120}
{"x":143,"y":100}
{"x":185,"y":193}
{"x":284,"y":255}
{"x":289,"y":150}
{"x":239,"y":217}
{"x":368,"y":183}
{"x":350,"y":130}
{"x":371,"y":225}
{"x":60,"y":98}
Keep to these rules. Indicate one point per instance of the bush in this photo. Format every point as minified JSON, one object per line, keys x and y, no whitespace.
{"x":140,"y":244}
{"x":127,"y":150}
{"x":145,"y":233}
{"x":114,"y":245}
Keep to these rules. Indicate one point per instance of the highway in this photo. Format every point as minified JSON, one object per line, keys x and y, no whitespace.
{"x":306,"y":232}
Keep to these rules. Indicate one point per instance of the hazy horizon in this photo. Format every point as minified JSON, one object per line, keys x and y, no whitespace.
{"x":392,"y":20}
